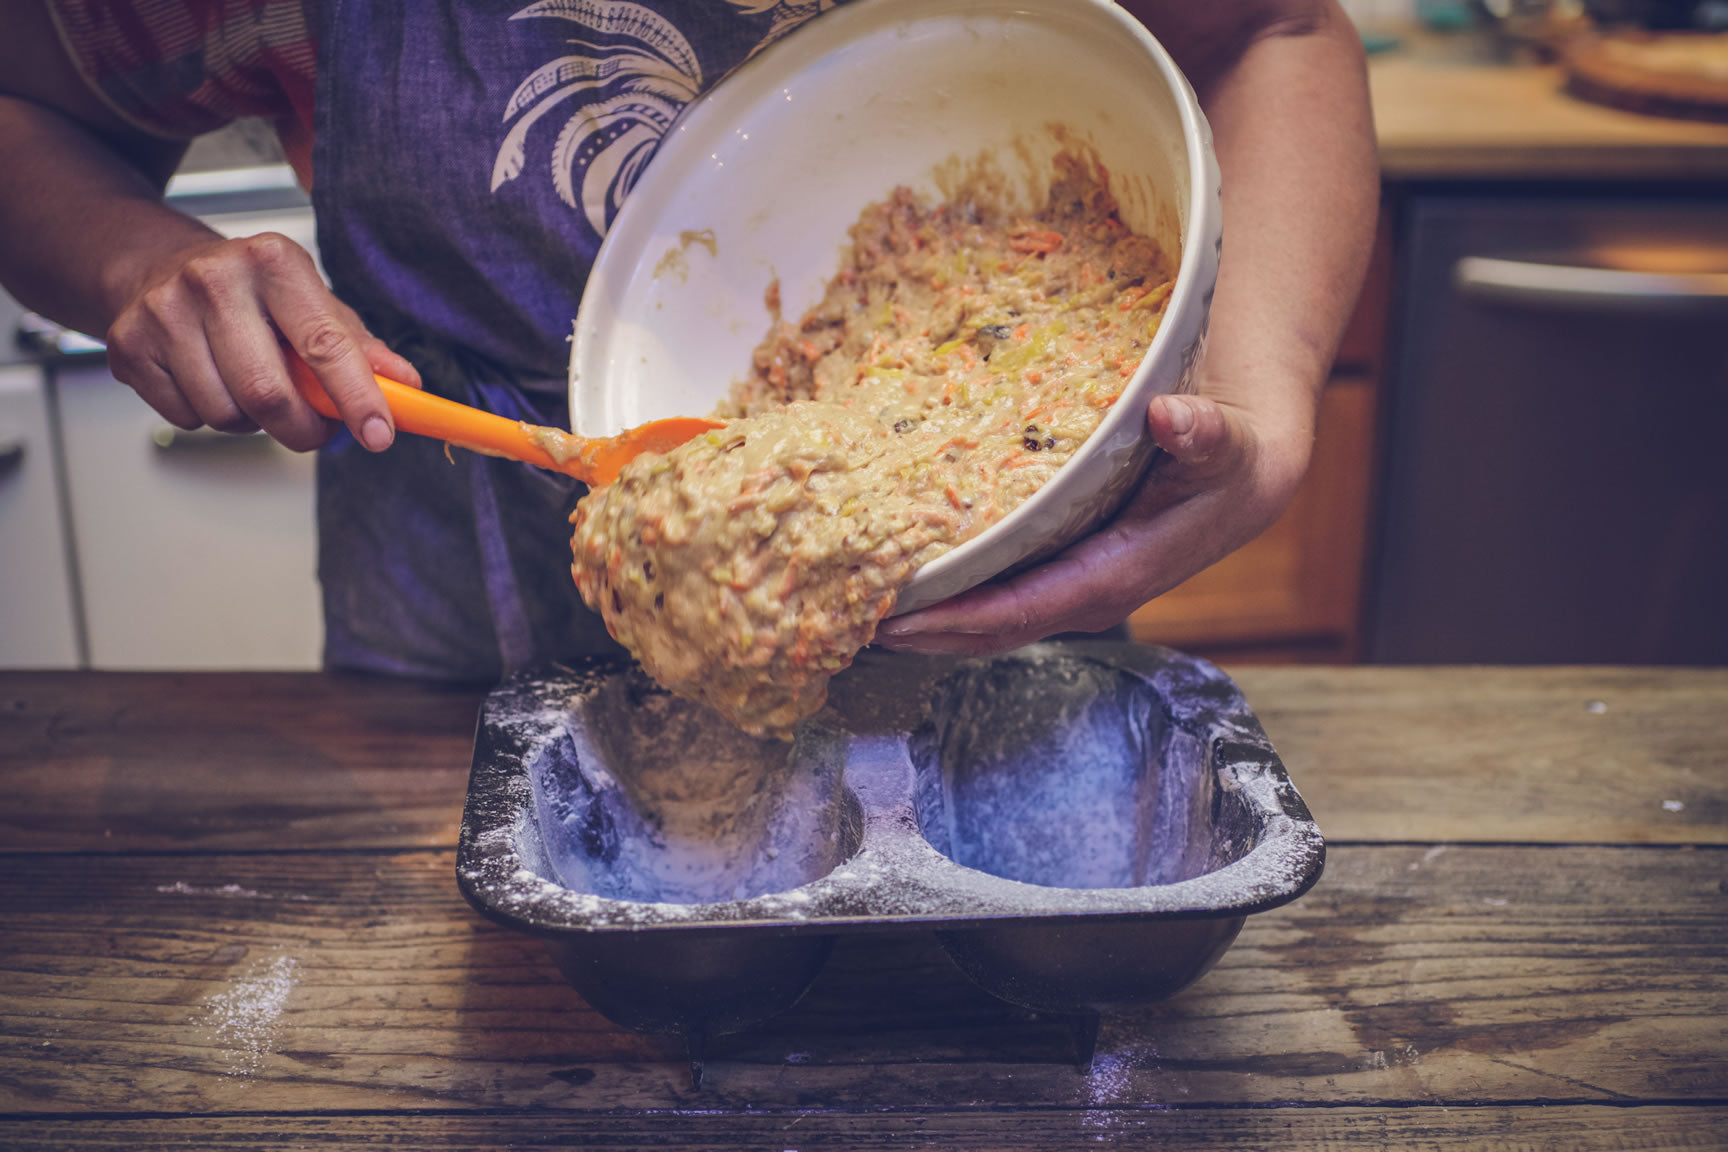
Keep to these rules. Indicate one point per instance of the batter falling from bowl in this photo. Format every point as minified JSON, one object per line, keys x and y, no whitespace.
{"x":959,"y":357}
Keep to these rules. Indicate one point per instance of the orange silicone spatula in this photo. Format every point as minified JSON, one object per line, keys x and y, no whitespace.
{"x":594,"y":461}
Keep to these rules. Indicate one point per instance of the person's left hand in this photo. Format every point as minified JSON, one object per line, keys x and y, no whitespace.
{"x":1225,"y":474}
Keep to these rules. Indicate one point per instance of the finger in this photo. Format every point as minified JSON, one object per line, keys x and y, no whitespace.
{"x":186,"y":357}
{"x":1095,"y":583}
{"x":244,"y":348}
{"x":1201,"y":437}
{"x":993,"y":618}
{"x":1088,"y":587}
{"x":1092,"y":585}
{"x":388,"y":364}
{"x":140,"y":372}
{"x":157,"y":388}
{"x":325,"y":335}
{"x":976,"y":623}
{"x":159,"y":346}
{"x":384,"y":359}
{"x":250,"y":361}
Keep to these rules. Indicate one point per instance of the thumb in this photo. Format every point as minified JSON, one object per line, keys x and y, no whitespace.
{"x":1202,"y":438}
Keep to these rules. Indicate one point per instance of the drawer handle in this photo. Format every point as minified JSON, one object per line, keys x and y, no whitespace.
{"x":11,"y":453}
{"x":1573,"y":286}
{"x":168,"y":438}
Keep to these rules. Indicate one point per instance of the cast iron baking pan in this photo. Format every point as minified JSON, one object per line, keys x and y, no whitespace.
{"x":1084,"y":825}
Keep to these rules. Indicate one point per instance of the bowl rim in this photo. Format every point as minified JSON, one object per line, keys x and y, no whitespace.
{"x":1188,"y":295}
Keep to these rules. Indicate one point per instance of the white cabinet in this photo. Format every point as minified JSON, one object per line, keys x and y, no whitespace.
{"x":196,"y":550}
{"x":143,"y":546}
{"x":38,"y":621}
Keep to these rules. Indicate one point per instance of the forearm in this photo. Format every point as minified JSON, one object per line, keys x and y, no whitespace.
{"x":1294,"y":135}
{"x":83,"y":222}
{"x":194,"y":323}
{"x":1283,"y":85}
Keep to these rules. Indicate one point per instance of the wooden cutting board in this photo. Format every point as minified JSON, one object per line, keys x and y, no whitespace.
{"x":1679,"y":74}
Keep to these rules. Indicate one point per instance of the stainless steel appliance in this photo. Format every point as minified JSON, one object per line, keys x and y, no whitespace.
{"x":1555,"y":484}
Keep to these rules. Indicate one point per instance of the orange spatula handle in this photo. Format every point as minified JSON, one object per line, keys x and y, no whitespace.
{"x":424,"y":414}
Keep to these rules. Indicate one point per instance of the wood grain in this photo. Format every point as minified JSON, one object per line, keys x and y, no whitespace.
{"x":150,"y":762}
{"x":1580,"y":1128}
{"x":136,"y":761}
{"x":1561,"y":755}
{"x":228,"y":918}
{"x":1411,"y":975}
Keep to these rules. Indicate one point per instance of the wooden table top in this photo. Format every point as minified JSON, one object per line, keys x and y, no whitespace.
{"x":229,"y":915}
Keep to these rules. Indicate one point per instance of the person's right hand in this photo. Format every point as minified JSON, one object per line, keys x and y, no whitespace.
{"x":201,"y":341}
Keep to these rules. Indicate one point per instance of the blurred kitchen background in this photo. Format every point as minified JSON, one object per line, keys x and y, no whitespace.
{"x":1521,"y":450}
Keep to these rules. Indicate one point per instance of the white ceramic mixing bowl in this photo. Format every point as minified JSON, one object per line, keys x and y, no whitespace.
{"x":762,"y":177}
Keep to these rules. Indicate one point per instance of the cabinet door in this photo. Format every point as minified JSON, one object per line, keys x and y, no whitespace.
{"x":1293,"y":593}
{"x":1554,"y":490}
{"x":37,"y":628}
{"x":197,"y":550}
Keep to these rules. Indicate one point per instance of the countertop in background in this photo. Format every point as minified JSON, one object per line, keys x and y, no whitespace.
{"x":1440,"y":115}
{"x":1443,"y":113}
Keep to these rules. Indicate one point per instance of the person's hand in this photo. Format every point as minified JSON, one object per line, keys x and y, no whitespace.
{"x":1285,"y":89}
{"x":201,"y":342}
{"x":1224,"y":476}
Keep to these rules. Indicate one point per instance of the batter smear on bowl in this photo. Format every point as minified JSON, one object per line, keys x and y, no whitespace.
{"x":960,"y":356}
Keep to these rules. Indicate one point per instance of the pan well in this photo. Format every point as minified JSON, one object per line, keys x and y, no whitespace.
{"x":648,"y":797}
{"x":1067,"y":773}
